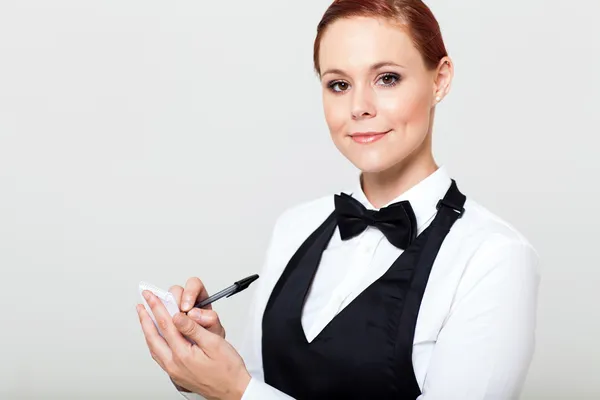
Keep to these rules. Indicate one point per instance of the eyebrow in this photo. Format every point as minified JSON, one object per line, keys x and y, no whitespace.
{"x":372,"y":68}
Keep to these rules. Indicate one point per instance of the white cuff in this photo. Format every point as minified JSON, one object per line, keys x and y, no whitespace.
{"x":258,"y":390}
{"x":191,"y":396}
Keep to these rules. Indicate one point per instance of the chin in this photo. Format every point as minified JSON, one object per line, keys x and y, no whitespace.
{"x":373,"y":165}
{"x":373,"y":158}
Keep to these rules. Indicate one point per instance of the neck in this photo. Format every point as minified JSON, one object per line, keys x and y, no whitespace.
{"x":382,"y":187}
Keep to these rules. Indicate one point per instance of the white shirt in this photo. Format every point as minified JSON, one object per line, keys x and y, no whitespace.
{"x":475,"y":332}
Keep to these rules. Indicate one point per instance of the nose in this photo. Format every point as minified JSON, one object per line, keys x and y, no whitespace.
{"x":363,"y":105}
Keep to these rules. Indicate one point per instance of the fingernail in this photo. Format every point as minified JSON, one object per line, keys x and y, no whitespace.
{"x":146,"y":295}
{"x":186,"y":305}
{"x":195,"y":313}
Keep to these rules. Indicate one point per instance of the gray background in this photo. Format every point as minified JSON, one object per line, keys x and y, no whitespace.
{"x":158,"y":140}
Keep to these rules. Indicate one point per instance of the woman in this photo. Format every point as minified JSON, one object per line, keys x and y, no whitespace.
{"x":400,"y":289}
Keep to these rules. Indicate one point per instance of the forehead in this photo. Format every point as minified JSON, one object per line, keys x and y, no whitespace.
{"x":358,"y":42}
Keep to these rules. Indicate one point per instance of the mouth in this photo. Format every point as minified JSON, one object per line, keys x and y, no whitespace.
{"x":367,"y":137}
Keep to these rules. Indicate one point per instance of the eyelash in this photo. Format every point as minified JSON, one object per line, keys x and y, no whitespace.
{"x":331,"y":85}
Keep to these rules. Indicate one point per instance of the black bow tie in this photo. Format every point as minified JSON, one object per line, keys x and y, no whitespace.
{"x":396,"y":221}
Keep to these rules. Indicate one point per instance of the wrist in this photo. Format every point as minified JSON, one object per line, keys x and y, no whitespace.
{"x":240,"y":385}
{"x":178,"y":387}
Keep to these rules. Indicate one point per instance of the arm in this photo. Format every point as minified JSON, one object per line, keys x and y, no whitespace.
{"x":251,"y":352}
{"x":251,"y":346}
{"x":485,"y":347}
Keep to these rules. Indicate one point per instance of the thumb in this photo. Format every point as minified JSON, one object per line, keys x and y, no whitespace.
{"x":209,"y":319}
{"x":190,"y":329}
{"x":206,"y":318}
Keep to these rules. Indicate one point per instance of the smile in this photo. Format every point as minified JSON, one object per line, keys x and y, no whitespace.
{"x":367,"y":137}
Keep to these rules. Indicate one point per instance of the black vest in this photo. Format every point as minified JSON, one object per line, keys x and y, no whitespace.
{"x":365,"y":352}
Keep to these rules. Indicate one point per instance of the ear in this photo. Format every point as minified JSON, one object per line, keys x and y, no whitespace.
{"x":442,"y":79}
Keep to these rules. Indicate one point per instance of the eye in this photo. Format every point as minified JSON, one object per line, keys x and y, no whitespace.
{"x":389,"y":79}
{"x":338,"y":86}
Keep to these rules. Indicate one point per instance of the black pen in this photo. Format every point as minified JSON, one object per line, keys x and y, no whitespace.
{"x":230,"y":291}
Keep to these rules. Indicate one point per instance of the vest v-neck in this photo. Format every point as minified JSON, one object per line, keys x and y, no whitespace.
{"x":325,"y":232}
{"x":365,"y":351}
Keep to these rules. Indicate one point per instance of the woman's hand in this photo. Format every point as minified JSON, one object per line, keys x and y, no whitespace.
{"x":211,"y":367}
{"x":186,"y":298}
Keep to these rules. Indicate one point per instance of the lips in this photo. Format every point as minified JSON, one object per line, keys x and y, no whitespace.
{"x":367,"y":137}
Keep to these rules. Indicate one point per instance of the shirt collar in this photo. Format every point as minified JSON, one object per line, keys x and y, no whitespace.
{"x":423,"y":197}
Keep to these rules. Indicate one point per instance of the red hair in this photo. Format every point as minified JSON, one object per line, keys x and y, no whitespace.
{"x":412,"y":15}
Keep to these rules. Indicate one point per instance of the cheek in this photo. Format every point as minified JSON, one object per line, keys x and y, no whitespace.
{"x":407,"y":109}
{"x":335,"y":114}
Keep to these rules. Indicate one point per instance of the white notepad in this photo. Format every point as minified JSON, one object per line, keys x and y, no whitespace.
{"x":165,"y":297}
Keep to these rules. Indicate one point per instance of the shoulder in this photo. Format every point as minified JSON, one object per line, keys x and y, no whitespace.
{"x":489,"y":243}
{"x":292,"y":226}
{"x":301,"y":219}
{"x":481,"y":224}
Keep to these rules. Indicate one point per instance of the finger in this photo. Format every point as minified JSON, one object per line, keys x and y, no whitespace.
{"x":205,"y":340}
{"x":156,"y":344}
{"x":209,"y":319}
{"x":177,"y":292}
{"x":206,"y":318}
{"x":164,"y":320}
{"x":194,"y":291}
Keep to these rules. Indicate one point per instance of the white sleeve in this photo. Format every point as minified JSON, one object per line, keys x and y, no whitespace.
{"x":485,"y":347}
{"x":258,"y":390}
{"x":251,"y":344}
{"x":191,"y":396}
{"x":251,"y":347}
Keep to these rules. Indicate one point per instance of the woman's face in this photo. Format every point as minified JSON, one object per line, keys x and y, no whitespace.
{"x":377,"y":94}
